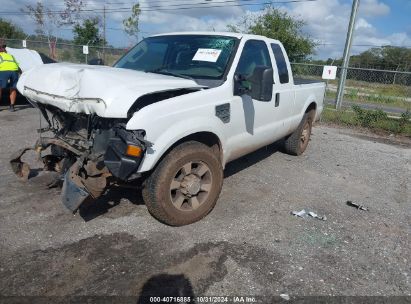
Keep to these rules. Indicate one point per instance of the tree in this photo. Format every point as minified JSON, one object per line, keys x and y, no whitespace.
{"x":71,"y":14}
{"x":43,"y":18}
{"x":276,"y":24}
{"x":47,"y":20}
{"x":385,"y":57}
{"x":87,"y":33}
{"x":131,"y":24}
{"x":9,"y":30}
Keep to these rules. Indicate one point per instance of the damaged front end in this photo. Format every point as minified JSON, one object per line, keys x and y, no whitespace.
{"x":88,"y":152}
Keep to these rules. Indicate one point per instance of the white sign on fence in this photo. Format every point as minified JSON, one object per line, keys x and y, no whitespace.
{"x":85,"y":49}
{"x":24,"y":43}
{"x":329,"y":72}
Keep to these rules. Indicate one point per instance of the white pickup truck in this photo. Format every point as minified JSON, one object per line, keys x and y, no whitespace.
{"x":171,"y":114}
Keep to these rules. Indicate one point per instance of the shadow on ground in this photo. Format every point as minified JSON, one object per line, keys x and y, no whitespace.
{"x":121,"y":264}
{"x":253,"y":158}
{"x":165,"y":285}
{"x":92,"y":209}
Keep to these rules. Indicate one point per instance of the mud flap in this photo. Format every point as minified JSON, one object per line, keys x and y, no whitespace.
{"x":72,"y":195}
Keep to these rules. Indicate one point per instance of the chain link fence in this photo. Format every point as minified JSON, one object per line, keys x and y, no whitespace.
{"x":66,"y":52}
{"x":384,"y":88}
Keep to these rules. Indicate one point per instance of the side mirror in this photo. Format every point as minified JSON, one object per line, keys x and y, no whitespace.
{"x":259,"y":84}
{"x":262,"y":81}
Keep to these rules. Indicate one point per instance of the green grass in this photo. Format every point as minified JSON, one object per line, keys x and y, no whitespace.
{"x":369,"y":92}
{"x":353,"y":95}
{"x":376,"y":88}
{"x":370,"y":119}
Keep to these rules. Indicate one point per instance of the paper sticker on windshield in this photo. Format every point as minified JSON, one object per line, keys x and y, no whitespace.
{"x":210,"y":55}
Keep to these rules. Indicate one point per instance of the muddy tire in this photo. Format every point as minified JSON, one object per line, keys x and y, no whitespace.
{"x":185,"y":185}
{"x":297,"y":142}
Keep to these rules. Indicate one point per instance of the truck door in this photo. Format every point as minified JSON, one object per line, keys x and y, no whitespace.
{"x":259,"y":121}
{"x":283,"y":93}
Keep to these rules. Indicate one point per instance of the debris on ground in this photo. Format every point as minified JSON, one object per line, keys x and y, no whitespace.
{"x":315,"y":215}
{"x":285,"y":296}
{"x":304,"y":214}
{"x":301,"y":213}
{"x":358,"y":206}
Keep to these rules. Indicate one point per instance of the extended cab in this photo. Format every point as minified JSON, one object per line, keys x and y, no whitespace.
{"x":171,"y":114}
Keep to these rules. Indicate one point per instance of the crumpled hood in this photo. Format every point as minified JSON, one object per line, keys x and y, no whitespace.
{"x":26,"y":58}
{"x":105,"y":91}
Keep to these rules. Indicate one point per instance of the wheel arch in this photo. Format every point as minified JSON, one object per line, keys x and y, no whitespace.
{"x":209,"y":138}
{"x":312,"y":106}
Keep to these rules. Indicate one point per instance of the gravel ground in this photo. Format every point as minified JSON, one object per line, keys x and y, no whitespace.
{"x":249,"y":245}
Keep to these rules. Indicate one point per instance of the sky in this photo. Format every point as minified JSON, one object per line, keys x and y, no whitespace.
{"x":379,"y":22}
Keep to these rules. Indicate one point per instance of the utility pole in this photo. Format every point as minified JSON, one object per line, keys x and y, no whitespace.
{"x":104,"y":34}
{"x":346,"y":57}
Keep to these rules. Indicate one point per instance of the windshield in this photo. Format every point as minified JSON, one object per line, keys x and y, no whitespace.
{"x":196,"y":56}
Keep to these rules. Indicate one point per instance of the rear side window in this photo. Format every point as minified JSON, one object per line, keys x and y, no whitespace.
{"x":281,"y":63}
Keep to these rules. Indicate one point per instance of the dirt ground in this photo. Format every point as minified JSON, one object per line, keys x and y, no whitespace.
{"x":249,"y":245}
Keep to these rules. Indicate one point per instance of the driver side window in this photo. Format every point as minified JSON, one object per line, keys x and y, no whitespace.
{"x":255,"y":53}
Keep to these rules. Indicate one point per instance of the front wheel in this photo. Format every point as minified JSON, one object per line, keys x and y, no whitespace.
{"x":297,"y":142}
{"x":185,"y":186}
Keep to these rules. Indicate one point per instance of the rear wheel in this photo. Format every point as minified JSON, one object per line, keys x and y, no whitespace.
{"x":297,"y":142}
{"x":185,"y":186}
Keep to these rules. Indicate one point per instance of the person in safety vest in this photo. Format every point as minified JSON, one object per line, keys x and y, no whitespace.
{"x":9,"y":74}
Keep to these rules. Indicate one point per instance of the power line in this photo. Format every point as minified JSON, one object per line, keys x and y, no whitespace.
{"x":174,"y":7}
{"x":157,"y":1}
{"x":173,"y":2}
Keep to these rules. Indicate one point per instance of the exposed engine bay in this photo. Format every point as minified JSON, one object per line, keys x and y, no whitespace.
{"x":89,"y":153}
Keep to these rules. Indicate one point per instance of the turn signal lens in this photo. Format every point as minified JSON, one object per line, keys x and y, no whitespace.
{"x":134,"y":151}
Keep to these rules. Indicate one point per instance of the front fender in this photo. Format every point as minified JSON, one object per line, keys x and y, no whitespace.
{"x":164,"y":135}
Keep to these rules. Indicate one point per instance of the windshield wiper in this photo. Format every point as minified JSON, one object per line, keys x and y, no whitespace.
{"x":165,"y":72}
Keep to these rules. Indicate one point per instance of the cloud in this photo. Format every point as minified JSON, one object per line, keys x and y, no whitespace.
{"x":326,"y":20}
{"x":362,"y":24}
{"x":373,"y":8}
{"x":200,"y":18}
{"x":400,"y":39}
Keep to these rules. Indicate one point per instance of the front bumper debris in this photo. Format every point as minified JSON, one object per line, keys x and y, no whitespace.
{"x":86,"y":171}
{"x":22,"y":169}
{"x":73,"y":193}
{"x":83,"y":181}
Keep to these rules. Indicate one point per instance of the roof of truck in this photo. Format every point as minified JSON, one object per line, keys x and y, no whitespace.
{"x":228,"y":34}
